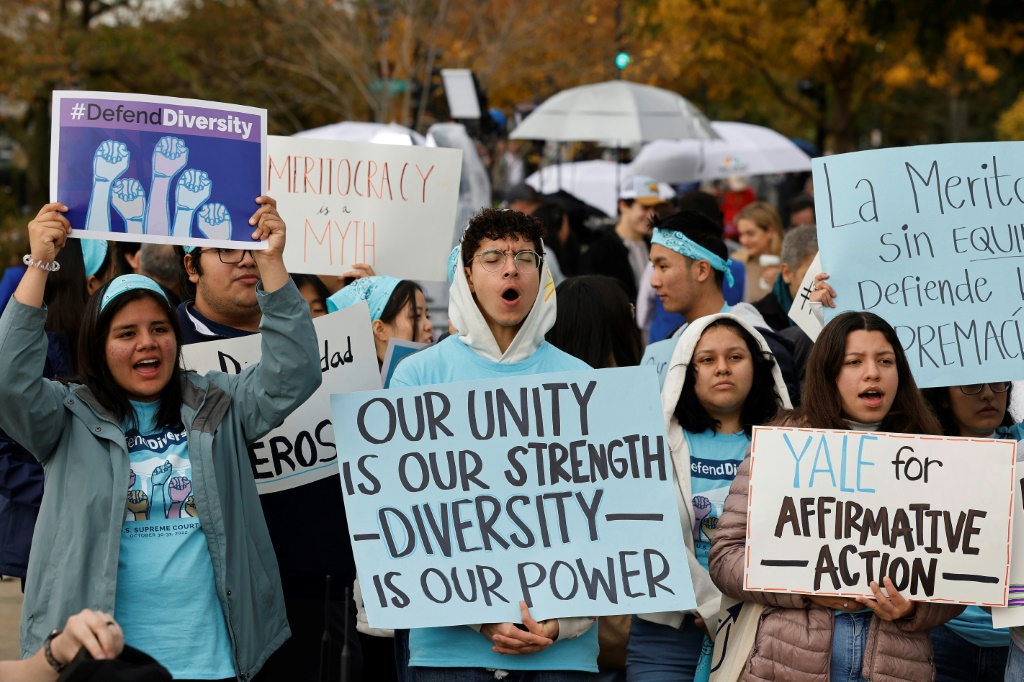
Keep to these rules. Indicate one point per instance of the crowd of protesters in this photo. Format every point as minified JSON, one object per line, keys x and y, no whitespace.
{"x":96,"y":399}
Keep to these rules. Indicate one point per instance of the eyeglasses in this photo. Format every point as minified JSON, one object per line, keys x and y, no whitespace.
{"x":494,"y":260}
{"x":975,"y":389}
{"x":231,"y":256}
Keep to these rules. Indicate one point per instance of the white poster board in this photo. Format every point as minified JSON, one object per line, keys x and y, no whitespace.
{"x":800,"y":312}
{"x":1013,"y":614}
{"x":830,"y":511}
{"x":301,"y":450}
{"x":387,"y":205}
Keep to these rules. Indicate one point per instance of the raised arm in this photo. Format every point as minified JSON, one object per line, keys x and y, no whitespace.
{"x":289,"y":368}
{"x":32,"y":413}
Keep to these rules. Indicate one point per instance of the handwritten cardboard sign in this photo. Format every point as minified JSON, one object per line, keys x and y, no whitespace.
{"x":931,"y":239}
{"x":801,"y":312}
{"x":831,"y":511}
{"x":398,"y":350}
{"x":143,"y":168}
{"x":556,"y":489}
{"x":303,"y":449}
{"x":387,"y":205}
{"x":657,"y":355}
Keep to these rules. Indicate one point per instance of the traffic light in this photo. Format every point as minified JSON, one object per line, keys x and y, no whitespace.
{"x":622,"y":60}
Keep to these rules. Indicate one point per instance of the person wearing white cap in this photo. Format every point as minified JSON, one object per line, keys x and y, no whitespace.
{"x":622,"y":252}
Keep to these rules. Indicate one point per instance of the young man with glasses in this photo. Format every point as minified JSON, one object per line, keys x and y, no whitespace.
{"x":502,"y":302}
{"x":225,"y":294}
{"x":307,"y":524}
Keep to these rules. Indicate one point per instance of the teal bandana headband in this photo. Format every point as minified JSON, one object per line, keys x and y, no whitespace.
{"x":376,"y":291}
{"x":126,"y":283}
{"x":680,"y":243}
{"x":453,"y":262}
{"x":94,"y":251}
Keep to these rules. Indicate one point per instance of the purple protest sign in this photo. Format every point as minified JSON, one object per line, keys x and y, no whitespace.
{"x":157,"y":169}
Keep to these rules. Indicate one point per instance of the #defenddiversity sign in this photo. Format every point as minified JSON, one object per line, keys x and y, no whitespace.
{"x":831,"y":511}
{"x":555,"y":489}
{"x":144,"y":168}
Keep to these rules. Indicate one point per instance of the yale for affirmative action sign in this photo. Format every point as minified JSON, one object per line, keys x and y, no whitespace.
{"x":831,"y":511}
{"x":555,"y":489}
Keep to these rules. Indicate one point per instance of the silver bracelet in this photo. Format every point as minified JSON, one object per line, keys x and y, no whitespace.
{"x":51,"y":266}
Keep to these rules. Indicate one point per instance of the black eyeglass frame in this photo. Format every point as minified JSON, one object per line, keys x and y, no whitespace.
{"x":978,"y":388}
{"x":220,"y":255}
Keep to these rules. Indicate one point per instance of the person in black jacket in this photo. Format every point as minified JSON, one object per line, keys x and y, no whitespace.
{"x":798,"y":251}
{"x":623,"y":251}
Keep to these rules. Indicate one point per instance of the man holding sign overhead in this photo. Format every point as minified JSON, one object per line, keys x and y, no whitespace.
{"x":502,"y":304}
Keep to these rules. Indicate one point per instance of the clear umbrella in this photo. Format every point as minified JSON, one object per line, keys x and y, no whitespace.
{"x":743,"y":149}
{"x":617,"y":112}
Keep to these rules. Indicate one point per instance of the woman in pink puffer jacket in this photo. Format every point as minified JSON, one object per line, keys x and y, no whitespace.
{"x":857,"y":378}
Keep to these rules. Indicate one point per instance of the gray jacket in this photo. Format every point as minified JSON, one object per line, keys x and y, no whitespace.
{"x":73,"y":563}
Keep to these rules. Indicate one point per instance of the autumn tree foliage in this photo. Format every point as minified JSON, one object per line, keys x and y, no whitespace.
{"x":921,"y":70}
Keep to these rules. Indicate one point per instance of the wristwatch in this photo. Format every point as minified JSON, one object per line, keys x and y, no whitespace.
{"x":54,"y":663}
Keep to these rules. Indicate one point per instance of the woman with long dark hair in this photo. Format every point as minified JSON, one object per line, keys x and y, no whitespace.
{"x":722,"y":381}
{"x":968,"y":647}
{"x":857,"y":378}
{"x":595,"y":322}
{"x":150,"y":510}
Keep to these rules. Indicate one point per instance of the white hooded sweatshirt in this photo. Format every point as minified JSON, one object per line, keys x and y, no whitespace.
{"x":708,"y":596}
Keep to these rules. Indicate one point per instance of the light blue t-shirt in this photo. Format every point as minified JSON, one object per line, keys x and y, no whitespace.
{"x":460,"y":646}
{"x":166,"y":599}
{"x":714,"y":460}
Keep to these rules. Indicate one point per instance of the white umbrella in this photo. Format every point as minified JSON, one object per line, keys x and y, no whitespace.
{"x":364,"y":131}
{"x":592,"y":182}
{"x":620,"y":112}
{"x":743,"y":149}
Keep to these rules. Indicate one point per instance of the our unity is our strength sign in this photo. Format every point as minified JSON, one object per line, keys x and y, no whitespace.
{"x":554,"y":489}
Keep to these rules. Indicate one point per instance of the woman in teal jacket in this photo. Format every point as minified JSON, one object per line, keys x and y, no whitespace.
{"x":150,"y":511}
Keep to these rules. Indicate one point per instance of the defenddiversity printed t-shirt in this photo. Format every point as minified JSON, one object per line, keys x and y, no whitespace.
{"x":166,"y":599}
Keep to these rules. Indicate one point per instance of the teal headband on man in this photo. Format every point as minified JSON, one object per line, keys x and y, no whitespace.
{"x":126,"y":283}
{"x":680,"y":243}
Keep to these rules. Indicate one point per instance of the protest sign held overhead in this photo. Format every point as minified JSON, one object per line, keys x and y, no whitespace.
{"x":303,"y":449}
{"x":554,"y":489}
{"x":931,"y":239}
{"x":158,"y":169}
{"x":831,"y":511}
{"x":387,"y":205}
